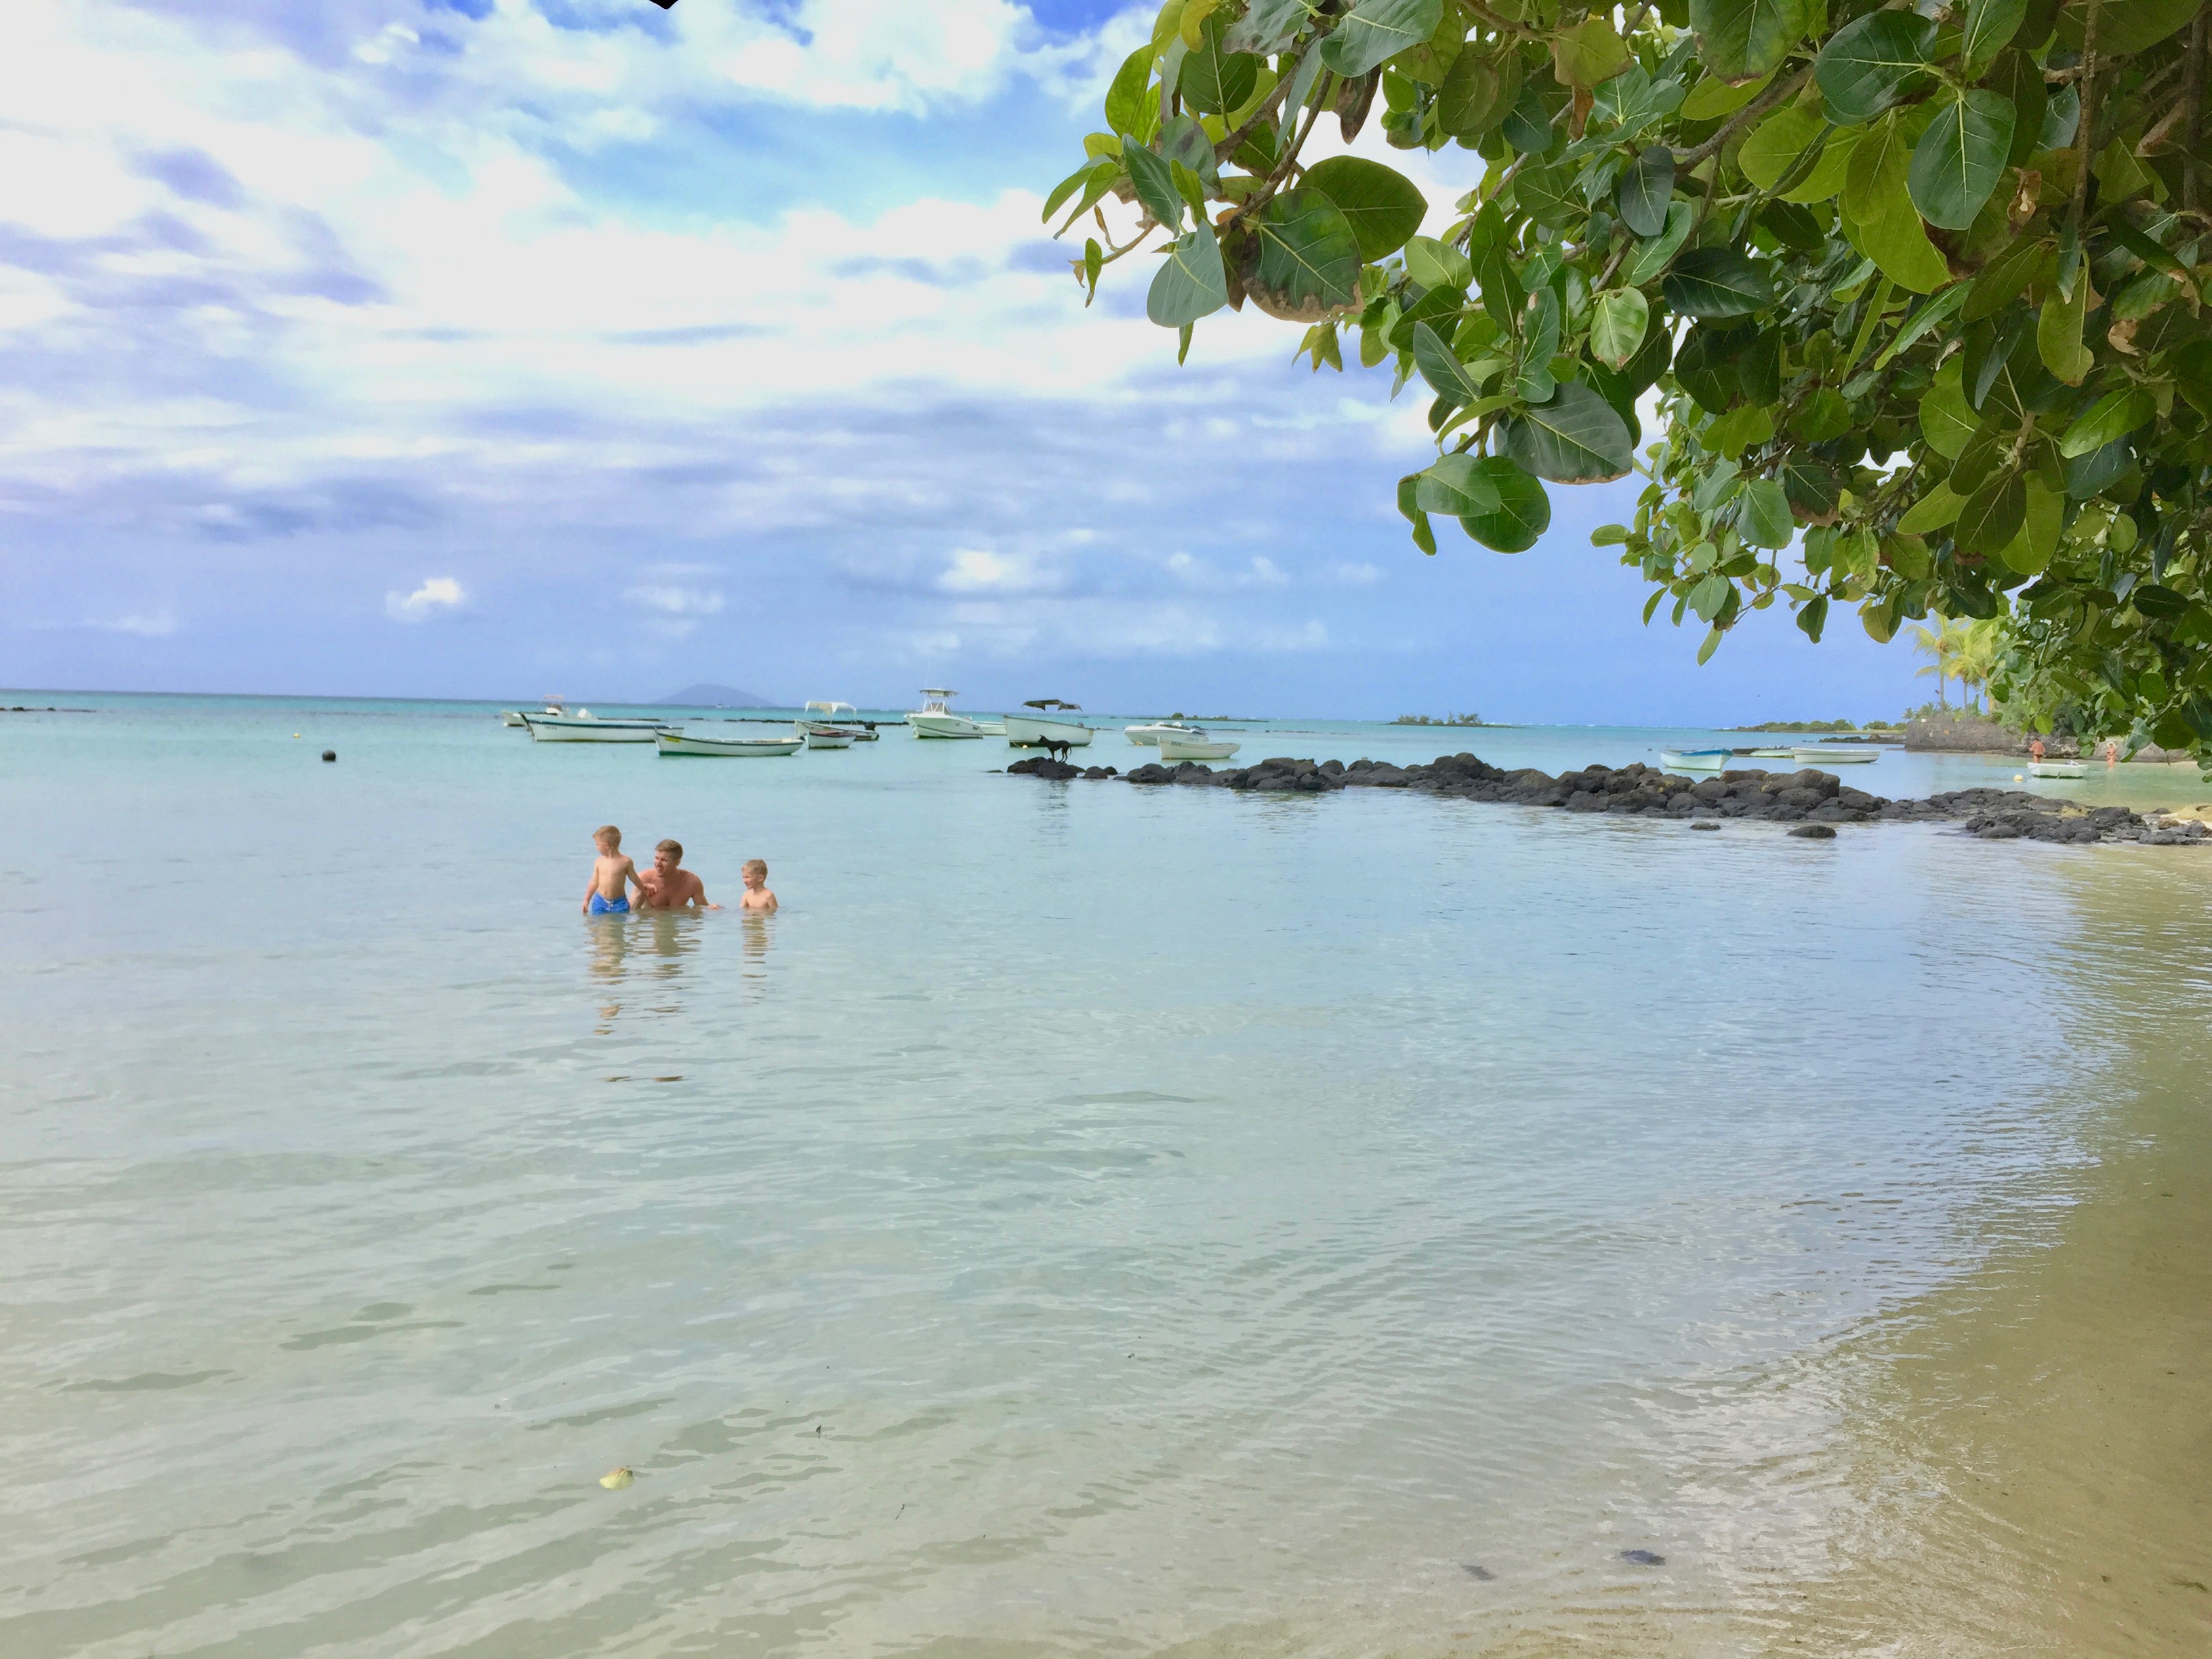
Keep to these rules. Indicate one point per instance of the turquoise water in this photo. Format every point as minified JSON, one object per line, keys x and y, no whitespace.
{"x":1087,"y":1220}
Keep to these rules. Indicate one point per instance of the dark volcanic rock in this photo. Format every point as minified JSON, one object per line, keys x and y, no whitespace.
{"x":1813,"y":802}
{"x":1044,"y":766}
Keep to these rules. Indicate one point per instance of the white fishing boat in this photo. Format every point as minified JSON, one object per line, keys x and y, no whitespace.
{"x":1151,"y":735}
{"x":585,"y":726}
{"x":935,"y":719}
{"x":1696,"y":760}
{"x":1835,"y":754}
{"x":827,"y":717}
{"x":688,"y":743}
{"x":1176,"y":746}
{"x":828,"y":737}
{"x":1771,"y":754}
{"x":516,"y":717}
{"x":2058,"y":768}
{"x":1040,"y":731}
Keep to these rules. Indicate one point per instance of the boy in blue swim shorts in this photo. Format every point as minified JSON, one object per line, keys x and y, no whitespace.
{"x":612,"y":876}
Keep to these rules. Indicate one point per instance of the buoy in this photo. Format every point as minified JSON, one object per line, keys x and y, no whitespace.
{"x":616,"y":1479}
{"x":295,"y":734}
{"x":330,"y":754}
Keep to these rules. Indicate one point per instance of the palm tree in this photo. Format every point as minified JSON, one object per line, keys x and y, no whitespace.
{"x":1975,"y":657}
{"x":1940,"y":643}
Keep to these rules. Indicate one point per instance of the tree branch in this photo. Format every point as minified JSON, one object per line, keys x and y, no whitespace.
{"x":2084,"y":134}
{"x":1766,"y":101}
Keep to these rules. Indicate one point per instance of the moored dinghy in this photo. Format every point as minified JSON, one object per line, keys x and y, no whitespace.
{"x":1835,"y":754}
{"x":1150,"y":735}
{"x":1178,"y":746}
{"x":935,"y":719}
{"x":687,"y":743}
{"x":1696,"y":760}
{"x":585,"y":726}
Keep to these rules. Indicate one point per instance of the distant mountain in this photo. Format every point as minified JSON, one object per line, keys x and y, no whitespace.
{"x":706,"y":695}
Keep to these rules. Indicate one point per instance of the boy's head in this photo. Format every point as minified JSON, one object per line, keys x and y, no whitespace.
{"x":756,"y":871}
{"x":608,"y":837}
{"x":668,"y":855}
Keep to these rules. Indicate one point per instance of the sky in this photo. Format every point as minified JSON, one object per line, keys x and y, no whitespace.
{"x":499,"y":348}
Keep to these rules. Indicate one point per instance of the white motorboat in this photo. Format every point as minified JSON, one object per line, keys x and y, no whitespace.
{"x":1040,"y":731}
{"x":1151,"y":735}
{"x":829,"y":736}
{"x":687,"y":743}
{"x":934,"y":720}
{"x":1771,"y":754}
{"x":1176,"y":746}
{"x":827,"y":717}
{"x":2058,"y":768}
{"x":516,"y":717}
{"x":585,"y":726}
{"x":1696,"y":760}
{"x":1836,"y":754}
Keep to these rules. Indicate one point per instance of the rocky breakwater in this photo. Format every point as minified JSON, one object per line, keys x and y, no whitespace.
{"x":1812,"y":802}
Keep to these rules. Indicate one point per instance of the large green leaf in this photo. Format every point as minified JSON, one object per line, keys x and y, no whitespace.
{"x":1446,"y":375}
{"x":1590,"y":53}
{"x":1381,"y":205}
{"x":1990,"y":24}
{"x":1376,"y":29}
{"x":1576,"y":438}
{"x":1309,"y":258}
{"x":1652,"y":257}
{"x":1477,"y":92}
{"x":2018,"y":79}
{"x":1267,"y":26}
{"x":1992,"y":514}
{"x":1763,"y":519}
{"x":1457,"y":485}
{"x":1647,"y":186}
{"x":2126,"y":26}
{"x":1945,"y":420}
{"x":2058,"y":333}
{"x":1960,"y":159}
{"x":1155,"y":183}
{"x":1742,"y":39}
{"x":1879,"y":205}
{"x":1716,"y":282}
{"x":2112,"y":415}
{"x":1778,"y":143}
{"x":1126,"y":98}
{"x":1190,"y":283}
{"x":1215,"y":80}
{"x":1867,"y":65}
{"x":1523,"y":513}
{"x":1618,"y":320}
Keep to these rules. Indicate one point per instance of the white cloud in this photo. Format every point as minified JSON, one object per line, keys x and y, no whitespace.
{"x":974,"y":571}
{"x":1359,"y":574}
{"x":148,"y":624}
{"x":436,"y":596}
{"x":675,"y":601}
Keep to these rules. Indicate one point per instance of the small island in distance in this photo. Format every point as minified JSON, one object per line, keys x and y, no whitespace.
{"x":707,"y":695}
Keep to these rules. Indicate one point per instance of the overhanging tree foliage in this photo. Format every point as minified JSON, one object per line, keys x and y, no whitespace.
{"x":1916,"y":286}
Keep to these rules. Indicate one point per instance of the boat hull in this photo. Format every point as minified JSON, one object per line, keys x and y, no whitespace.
{"x":826,"y":739}
{"x":1836,"y":756}
{"x":1195,"y":748}
{"x":950,"y":725}
{"x":2057,"y":769}
{"x":579,"y":731}
{"x":512,"y":717}
{"x":1150,"y":736}
{"x":1027,"y":732}
{"x":1696,"y":760}
{"x":677,"y":742}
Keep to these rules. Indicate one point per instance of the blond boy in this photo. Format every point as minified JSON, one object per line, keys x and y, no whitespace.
{"x":612,"y":876}
{"x":756,"y":897}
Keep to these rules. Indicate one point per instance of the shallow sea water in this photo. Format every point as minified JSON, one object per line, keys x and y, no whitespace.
{"x":1087,"y":1220}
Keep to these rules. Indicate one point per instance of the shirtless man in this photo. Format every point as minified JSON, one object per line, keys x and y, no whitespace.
{"x":612,"y":876}
{"x":669,"y":886}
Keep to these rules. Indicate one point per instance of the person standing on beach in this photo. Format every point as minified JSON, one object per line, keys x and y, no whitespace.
{"x":612,"y":876}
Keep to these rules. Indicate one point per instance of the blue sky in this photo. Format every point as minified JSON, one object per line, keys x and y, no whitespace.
{"x":486,"y":348}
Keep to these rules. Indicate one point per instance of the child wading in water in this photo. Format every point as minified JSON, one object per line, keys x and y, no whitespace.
{"x":757,"y":897}
{"x":612,"y":876}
